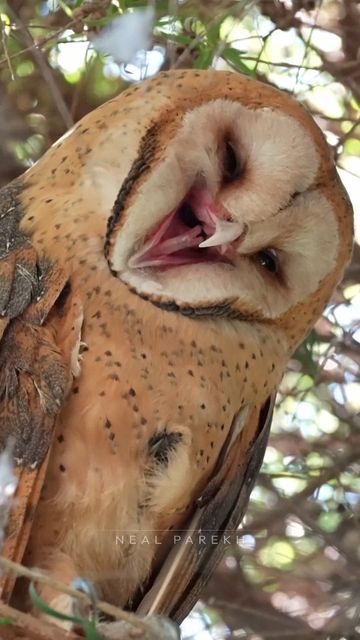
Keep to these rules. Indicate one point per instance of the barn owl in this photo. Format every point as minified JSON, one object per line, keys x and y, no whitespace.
{"x":159,"y":266}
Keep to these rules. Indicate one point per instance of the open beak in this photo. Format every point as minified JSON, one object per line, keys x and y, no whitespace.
{"x":196,"y":231}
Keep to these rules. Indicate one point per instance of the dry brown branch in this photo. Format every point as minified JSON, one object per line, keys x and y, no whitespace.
{"x":45,"y":70}
{"x":286,"y":507}
{"x":35,"y":575}
{"x":38,"y":44}
{"x":27,"y":627}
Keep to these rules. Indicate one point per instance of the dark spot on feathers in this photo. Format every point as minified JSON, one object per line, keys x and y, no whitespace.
{"x":162,"y":444}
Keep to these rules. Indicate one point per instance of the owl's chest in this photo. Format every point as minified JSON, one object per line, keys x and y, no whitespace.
{"x":145,"y":371}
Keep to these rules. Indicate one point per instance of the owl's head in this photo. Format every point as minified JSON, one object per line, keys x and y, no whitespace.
{"x":216,"y":194}
{"x":231,"y":205}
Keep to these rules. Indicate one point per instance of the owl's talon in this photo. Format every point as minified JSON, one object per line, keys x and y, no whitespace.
{"x":71,"y":607}
{"x":80,"y":609}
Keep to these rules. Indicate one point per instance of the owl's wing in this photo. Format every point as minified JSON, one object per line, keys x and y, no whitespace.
{"x":219,"y":511}
{"x":40,"y":322}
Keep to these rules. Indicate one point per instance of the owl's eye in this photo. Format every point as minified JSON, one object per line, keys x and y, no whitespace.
{"x":269,"y":260}
{"x":232,"y":167}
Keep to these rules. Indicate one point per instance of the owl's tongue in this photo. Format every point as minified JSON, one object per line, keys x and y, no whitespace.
{"x":193,"y":232}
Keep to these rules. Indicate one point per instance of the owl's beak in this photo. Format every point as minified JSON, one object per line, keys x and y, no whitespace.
{"x":215,"y":220}
{"x":196,"y":231}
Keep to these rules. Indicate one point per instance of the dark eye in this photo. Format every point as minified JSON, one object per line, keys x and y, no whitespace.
{"x":232,"y":168}
{"x":269,"y":260}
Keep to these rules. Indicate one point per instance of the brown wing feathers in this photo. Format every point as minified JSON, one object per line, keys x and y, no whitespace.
{"x":34,"y":371}
{"x":219,"y":512}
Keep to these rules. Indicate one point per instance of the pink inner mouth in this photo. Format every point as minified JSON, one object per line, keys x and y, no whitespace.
{"x":196,"y":231}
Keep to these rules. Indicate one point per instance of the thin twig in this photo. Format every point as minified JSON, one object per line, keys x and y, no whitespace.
{"x":171,"y":46}
{"x":45,"y":71}
{"x":334,"y":118}
{"x":193,"y":44}
{"x":9,"y":567}
{"x":281,"y":510}
{"x":343,"y":168}
{"x":348,"y":134}
{"x":307,"y":44}
{"x":287,"y":65}
{"x":264,"y":41}
{"x":80,"y":85}
{"x":3,"y":39}
{"x":40,"y":42}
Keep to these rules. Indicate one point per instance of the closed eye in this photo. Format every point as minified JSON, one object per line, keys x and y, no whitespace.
{"x":233,"y":166}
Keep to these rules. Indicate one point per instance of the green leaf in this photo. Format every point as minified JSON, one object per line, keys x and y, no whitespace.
{"x":87,"y":626}
{"x":173,"y":37}
{"x":213,"y":33}
{"x":233,"y":58}
{"x":100,"y":22}
{"x":204,"y":59}
{"x":67,"y":10}
{"x":7,"y":620}
{"x":304,"y":354}
{"x":329,"y":521}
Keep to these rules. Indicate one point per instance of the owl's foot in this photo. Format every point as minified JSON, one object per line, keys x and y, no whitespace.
{"x":61,"y":569}
{"x":62,"y":603}
{"x":73,"y":610}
